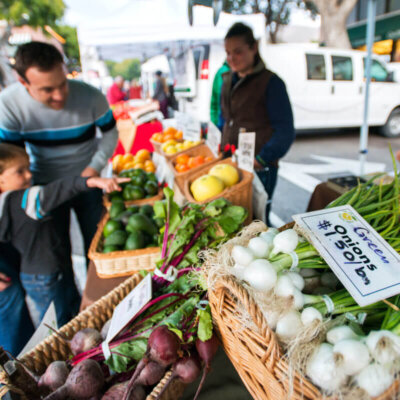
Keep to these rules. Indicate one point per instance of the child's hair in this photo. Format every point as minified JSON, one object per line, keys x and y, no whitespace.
{"x":10,"y":153}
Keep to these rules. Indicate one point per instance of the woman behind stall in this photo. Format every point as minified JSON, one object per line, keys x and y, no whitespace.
{"x":254,"y":98}
{"x":161,"y":93}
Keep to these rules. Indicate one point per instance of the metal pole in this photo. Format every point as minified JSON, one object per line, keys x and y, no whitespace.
{"x":368,"y":63}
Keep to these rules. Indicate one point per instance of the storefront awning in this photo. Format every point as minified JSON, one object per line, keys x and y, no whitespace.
{"x":387,"y":27}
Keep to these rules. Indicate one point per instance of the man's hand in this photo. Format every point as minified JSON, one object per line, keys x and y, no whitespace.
{"x":5,"y":282}
{"x":108,"y":184}
{"x":89,"y":171}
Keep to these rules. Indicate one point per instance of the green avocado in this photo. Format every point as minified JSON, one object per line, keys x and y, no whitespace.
{"x":135,"y":241}
{"x":151,"y":176}
{"x":110,"y":227}
{"x":132,"y":192}
{"x":110,"y":249}
{"x":117,"y":207}
{"x":141,"y":222}
{"x":116,"y":238}
{"x":124,"y":217}
{"x":151,"y":188}
{"x":116,"y":197}
{"x":138,"y":180}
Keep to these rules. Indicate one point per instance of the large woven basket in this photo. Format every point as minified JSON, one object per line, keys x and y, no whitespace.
{"x":240,"y":194}
{"x":120,"y":263}
{"x":201,"y":150}
{"x":148,"y":200}
{"x":95,"y":316}
{"x":256,"y":354}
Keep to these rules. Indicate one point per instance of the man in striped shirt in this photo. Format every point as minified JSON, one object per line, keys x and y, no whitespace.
{"x":57,"y":120}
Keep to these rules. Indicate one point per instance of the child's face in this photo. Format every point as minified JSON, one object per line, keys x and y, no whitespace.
{"x":16,"y":176}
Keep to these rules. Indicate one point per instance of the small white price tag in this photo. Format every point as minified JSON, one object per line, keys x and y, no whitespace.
{"x":246,"y":149}
{"x":213,"y":139}
{"x":129,"y":307}
{"x":367,"y":266}
{"x":190,"y":126}
{"x":41,"y":333}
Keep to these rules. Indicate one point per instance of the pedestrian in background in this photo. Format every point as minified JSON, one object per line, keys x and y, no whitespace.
{"x":115,"y":93}
{"x":255,"y":99}
{"x":161,"y":93}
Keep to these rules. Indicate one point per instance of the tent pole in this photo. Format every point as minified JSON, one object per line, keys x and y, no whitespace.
{"x":368,"y":63}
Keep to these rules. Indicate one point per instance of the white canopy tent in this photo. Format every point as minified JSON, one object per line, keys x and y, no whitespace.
{"x":144,"y":28}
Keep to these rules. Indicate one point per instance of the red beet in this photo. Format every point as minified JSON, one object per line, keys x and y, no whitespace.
{"x":84,"y":381}
{"x":85,"y":340}
{"x":206,"y":352}
{"x":55,"y":376}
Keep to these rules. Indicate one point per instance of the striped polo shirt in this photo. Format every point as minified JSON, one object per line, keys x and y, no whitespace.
{"x":63,"y":142}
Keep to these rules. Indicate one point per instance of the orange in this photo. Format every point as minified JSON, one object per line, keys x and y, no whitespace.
{"x":169,"y":130}
{"x":148,"y":162}
{"x":182,"y":159}
{"x":195,"y":161}
{"x":150,"y":167}
{"x":157,"y":137}
{"x":127,"y":158}
{"x":168,"y":136}
{"x":208,"y":159}
{"x":178,"y":135}
{"x":143,"y":155}
{"x":139,"y":165}
{"x":117,"y":162}
{"x":181,"y":167}
{"x":129,"y":165}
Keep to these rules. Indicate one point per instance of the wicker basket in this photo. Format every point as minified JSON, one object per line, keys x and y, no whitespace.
{"x":256,"y":354}
{"x":95,"y":316}
{"x":120,"y":263}
{"x":240,"y":194}
{"x":202,"y":150}
{"x":128,"y":203}
{"x":156,"y":146}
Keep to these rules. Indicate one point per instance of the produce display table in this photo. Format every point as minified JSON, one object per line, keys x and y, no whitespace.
{"x":323,"y":194}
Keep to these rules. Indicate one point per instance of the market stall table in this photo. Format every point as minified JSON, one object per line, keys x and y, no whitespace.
{"x":323,"y":194}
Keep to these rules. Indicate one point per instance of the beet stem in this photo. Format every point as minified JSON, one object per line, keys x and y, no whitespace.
{"x":205,"y":372}
{"x":132,"y":381}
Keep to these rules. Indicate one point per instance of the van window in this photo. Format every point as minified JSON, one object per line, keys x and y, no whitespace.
{"x":316,"y":66}
{"x":378,"y":72}
{"x":342,"y":68}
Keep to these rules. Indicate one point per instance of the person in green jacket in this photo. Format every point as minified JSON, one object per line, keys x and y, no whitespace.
{"x":215,"y":105}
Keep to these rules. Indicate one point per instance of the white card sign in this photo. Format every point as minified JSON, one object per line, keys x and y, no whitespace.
{"x":246,"y":149}
{"x":127,"y":309}
{"x":42,"y":332}
{"x":367,"y":266}
{"x":213,"y":139}
{"x":190,"y":126}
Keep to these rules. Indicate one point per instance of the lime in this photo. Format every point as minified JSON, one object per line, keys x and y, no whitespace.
{"x":110,"y":249}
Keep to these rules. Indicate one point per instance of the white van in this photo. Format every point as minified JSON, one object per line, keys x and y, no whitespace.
{"x":326,"y":86}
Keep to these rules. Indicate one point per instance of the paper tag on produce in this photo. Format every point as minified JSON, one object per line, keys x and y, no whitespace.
{"x":42,"y":332}
{"x":190,"y":126}
{"x":367,"y":266}
{"x":246,"y":149}
{"x":129,"y":307}
{"x":213,"y":139}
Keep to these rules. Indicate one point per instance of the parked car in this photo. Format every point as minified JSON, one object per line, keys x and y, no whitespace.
{"x":326,"y":86}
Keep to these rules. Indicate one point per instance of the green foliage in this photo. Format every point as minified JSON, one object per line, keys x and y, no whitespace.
{"x":277,"y":12}
{"x":129,"y":69}
{"x":32,"y":12}
{"x":71,"y":46}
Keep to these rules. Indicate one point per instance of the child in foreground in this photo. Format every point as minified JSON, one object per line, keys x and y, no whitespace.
{"x":45,"y":269}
